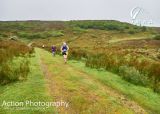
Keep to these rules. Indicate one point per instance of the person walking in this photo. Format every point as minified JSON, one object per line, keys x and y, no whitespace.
{"x":53,"y":50}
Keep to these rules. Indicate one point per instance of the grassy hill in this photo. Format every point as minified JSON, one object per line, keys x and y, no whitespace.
{"x":90,"y":39}
{"x":110,"y":55}
{"x":41,"y":29}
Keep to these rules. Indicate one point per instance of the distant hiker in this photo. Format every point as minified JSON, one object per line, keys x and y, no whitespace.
{"x":64,"y":50}
{"x":53,"y":50}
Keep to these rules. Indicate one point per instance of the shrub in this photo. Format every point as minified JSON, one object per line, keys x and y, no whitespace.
{"x":9,"y":49}
{"x":131,"y":32}
{"x":77,"y":54}
{"x":143,"y":29}
{"x":130,"y":67}
{"x":132,"y":75}
{"x":154,"y":72}
{"x":9,"y":73}
{"x":57,"y":33}
{"x":157,"y":37}
{"x":13,"y":63}
{"x":113,"y":27}
{"x":3,"y":35}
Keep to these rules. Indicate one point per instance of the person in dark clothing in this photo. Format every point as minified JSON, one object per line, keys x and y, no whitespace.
{"x":53,"y":50}
{"x":64,"y":50}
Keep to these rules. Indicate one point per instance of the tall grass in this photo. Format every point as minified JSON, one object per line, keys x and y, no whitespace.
{"x":12,"y":71}
{"x":130,"y":67}
{"x":14,"y":65}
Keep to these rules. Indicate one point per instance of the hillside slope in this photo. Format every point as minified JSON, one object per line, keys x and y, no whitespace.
{"x":91,"y":91}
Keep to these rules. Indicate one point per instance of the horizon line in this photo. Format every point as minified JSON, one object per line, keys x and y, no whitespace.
{"x":43,"y":20}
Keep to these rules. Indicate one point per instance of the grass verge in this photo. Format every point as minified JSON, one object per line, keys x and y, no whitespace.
{"x":143,"y":96}
{"x":32,"y":89}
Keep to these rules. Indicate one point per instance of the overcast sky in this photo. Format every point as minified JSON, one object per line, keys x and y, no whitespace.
{"x":79,"y":10}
